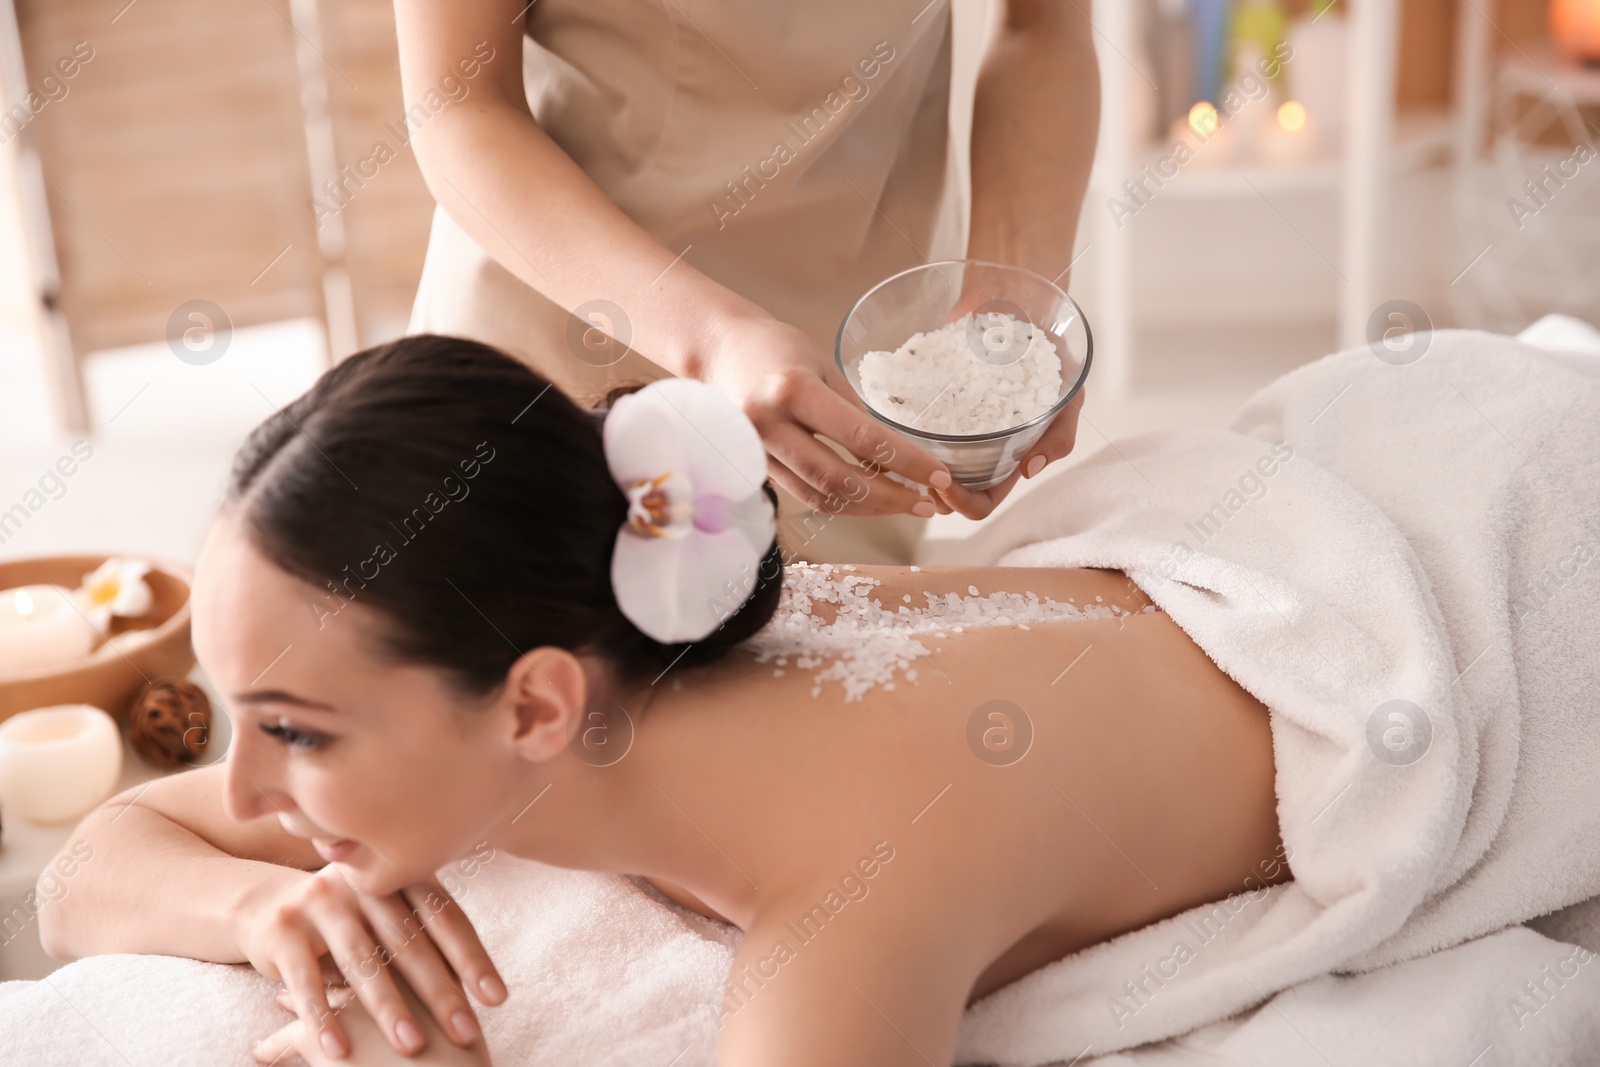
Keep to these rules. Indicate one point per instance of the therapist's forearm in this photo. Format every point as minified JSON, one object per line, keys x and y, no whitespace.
{"x":1035,"y":119}
{"x":532,"y":208}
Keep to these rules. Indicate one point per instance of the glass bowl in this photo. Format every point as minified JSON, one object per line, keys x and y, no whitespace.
{"x":922,"y":299}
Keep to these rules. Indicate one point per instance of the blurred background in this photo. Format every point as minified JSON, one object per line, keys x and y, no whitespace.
{"x":196,"y":219}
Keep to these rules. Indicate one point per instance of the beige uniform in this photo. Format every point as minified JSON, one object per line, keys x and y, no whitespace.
{"x":797,"y":153}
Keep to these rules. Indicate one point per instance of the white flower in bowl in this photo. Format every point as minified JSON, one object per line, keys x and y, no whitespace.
{"x":116,"y":587}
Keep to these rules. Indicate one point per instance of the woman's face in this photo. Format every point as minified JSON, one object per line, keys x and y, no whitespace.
{"x":378,"y":766}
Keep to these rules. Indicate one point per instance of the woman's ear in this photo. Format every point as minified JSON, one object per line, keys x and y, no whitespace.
{"x":548,"y":688}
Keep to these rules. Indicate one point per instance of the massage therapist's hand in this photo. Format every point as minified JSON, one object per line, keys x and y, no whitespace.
{"x":791,"y":389}
{"x":368,"y":1046}
{"x":287,"y":929}
{"x":1056,"y":441}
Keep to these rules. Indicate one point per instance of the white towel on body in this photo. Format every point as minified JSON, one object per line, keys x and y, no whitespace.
{"x":1430,"y":539}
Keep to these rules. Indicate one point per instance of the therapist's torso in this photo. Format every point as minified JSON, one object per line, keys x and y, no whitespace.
{"x":797,"y":153}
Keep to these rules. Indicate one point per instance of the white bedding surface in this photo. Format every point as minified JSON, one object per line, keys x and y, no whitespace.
{"x":647,"y":994}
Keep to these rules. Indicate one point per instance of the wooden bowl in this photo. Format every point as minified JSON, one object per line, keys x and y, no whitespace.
{"x":104,"y":678}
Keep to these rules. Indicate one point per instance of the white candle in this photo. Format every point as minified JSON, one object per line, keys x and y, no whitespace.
{"x":58,"y":762}
{"x":41,"y":627}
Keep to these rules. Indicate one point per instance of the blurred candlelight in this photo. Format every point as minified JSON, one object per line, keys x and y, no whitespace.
{"x":1291,"y":138}
{"x":1214,"y":141}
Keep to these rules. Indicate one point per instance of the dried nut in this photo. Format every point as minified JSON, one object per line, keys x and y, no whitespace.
{"x":169,"y":722}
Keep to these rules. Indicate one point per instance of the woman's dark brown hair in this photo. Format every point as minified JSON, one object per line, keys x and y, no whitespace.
{"x":457,"y":493}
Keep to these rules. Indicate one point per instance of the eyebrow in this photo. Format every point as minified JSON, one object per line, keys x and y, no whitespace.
{"x":279,"y":696}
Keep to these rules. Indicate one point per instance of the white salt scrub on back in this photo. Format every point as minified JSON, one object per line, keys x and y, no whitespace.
{"x":974,"y":375}
{"x":866,"y":644}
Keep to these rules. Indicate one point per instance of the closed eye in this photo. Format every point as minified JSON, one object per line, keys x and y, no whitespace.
{"x":297,"y":740}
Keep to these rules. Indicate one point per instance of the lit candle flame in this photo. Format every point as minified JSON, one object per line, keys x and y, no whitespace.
{"x":1203,"y":119}
{"x":1292,"y":116}
{"x":24,"y":603}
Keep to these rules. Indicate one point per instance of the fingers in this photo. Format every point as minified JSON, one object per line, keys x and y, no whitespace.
{"x":838,"y":414}
{"x":830,"y":483}
{"x":363,"y":964}
{"x":308,"y":997}
{"x":980,"y":503}
{"x":454,"y":934}
{"x":976,"y":503}
{"x":295,"y":1043}
{"x":281,"y":1048}
{"x":1057,"y":441}
{"x":411,"y":948}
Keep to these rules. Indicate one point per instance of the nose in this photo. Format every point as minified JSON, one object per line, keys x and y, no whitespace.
{"x":251,"y":786}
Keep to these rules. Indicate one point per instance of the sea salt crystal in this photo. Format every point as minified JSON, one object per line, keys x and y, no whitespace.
{"x":866,"y":645}
{"x":972,"y":589}
{"x":975,"y":375}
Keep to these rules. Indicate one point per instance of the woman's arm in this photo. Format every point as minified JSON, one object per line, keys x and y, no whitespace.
{"x":529,"y":205}
{"x":880,"y":989}
{"x":1035,"y":118}
{"x":163,"y":869}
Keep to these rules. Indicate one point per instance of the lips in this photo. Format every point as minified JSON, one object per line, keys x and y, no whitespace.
{"x":334,"y":851}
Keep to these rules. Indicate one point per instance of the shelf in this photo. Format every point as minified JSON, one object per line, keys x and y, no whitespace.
{"x":1421,"y":139}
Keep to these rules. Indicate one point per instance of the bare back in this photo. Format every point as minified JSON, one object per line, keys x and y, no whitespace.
{"x":1037,"y":787}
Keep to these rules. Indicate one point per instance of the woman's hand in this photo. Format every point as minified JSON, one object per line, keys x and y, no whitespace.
{"x":369,"y":1049}
{"x":1058,"y":438}
{"x":792,"y":391}
{"x":1056,"y":441}
{"x":287,"y":929}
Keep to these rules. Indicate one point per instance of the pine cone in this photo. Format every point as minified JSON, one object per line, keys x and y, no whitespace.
{"x":170,"y":722}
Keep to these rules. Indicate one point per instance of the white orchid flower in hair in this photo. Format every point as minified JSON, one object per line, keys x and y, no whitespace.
{"x":116,"y":587}
{"x":699,"y":522}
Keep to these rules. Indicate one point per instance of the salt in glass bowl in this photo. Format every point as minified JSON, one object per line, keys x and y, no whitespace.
{"x":922,"y":299}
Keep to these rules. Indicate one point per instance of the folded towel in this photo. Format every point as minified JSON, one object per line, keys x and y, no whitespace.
{"x":1399,"y":561}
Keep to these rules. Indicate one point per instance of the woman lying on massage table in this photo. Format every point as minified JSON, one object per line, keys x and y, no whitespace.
{"x":441,"y":627}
